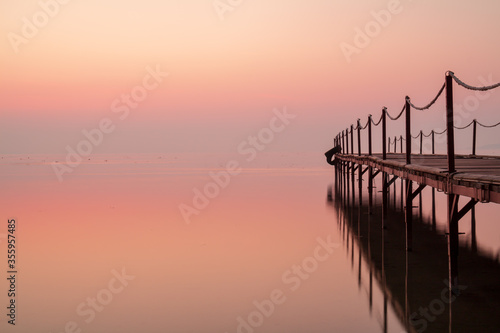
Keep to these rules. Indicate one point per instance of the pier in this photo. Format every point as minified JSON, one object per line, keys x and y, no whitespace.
{"x":474,"y":177}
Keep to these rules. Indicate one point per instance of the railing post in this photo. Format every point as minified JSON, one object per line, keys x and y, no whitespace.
{"x":347,"y":141}
{"x":359,"y":137}
{"x":384,"y":133}
{"x":432,"y":133}
{"x":384,"y":175}
{"x":352,"y":139}
{"x":408,"y":130}
{"x":474,"y":128}
{"x":370,"y":171}
{"x":343,"y":143}
{"x":360,"y":173}
{"x":370,"y":135}
{"x":449,"y":122}
{"x":352,"y":165}
{"x":395,"y":144}
{"x":421,"y":140}
{"x":401,"y":139}
{"x":452,"y":198}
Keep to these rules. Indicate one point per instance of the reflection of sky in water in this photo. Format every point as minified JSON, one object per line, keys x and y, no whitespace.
{"x":123,"y":211}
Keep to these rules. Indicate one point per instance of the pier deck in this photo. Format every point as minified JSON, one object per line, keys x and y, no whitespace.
{"x":477,"y":177}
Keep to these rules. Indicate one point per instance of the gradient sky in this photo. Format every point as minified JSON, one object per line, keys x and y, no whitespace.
{"x":226,"y":76}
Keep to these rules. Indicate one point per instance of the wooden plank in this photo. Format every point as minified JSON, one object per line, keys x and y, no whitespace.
{"x":476,"y":177}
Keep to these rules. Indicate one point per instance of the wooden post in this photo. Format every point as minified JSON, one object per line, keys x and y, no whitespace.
{"x":409,"y":183}
{"x":473,"y":230}
{"x":343,"y":143}
{"x":453,"y":240}
{"x":401,"y":143}
{"x":409,"y":215}
{"x":370,"y":171}
{"x":352,"y":139}
{"x":384,"y":133}
{"x":359,"y":137}
{"x":474,"y":128}
{"x":370,"y":135}
{"x":384,"y":175}
{"x":421,"y":141}
{"x":432,"y":134}
{"x":346,"y":141}
{"x":433,"y":209}
{"x":395,"y":143}
{"x":449,"y":122}
{"x":452,"y":198}
{"x":360,"y":174}
{"x":408,"y":131}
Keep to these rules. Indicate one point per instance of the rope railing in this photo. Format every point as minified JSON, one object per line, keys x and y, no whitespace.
{"x":378,"y":122}
{"x":430,"y":104}
{"x":465,"y":85}
{"x":466,"y":126}
{"x":447,"y":86}
{"x":398,"y":116}
{"x":487,"y":126}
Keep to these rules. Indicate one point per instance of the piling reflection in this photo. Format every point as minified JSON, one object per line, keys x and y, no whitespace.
{"x":416,"y":284}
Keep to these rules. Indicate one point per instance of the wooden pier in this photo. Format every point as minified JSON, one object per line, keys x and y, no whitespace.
{"x":474,"y":177}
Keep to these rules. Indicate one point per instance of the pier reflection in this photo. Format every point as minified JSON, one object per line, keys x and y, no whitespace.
{"x":416,"y":284}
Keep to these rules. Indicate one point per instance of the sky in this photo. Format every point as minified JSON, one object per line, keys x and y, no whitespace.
{"x":208,"y":74}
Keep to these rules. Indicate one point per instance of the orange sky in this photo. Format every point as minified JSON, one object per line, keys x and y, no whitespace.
{"x":226,"y":76}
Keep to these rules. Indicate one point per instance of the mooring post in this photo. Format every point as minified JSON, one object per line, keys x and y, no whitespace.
{"x":452,"y":198}
{"x":370,"y":177}
{"x":474,"y":128}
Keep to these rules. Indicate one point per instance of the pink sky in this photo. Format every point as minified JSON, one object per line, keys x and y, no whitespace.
{"x":226,"y":76}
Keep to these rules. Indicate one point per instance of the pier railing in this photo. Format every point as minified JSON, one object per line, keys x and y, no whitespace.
{"x":388,"y":143}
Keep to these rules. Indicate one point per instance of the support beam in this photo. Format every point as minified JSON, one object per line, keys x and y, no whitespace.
{"x":392,"y":181}
{"x":417,"y":191}
{"x":465,"y":209}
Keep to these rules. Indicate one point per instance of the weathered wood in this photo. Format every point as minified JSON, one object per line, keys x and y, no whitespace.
{"x":477,"y":178}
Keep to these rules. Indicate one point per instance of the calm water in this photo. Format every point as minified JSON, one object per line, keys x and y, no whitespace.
{"x":108,"y":249}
